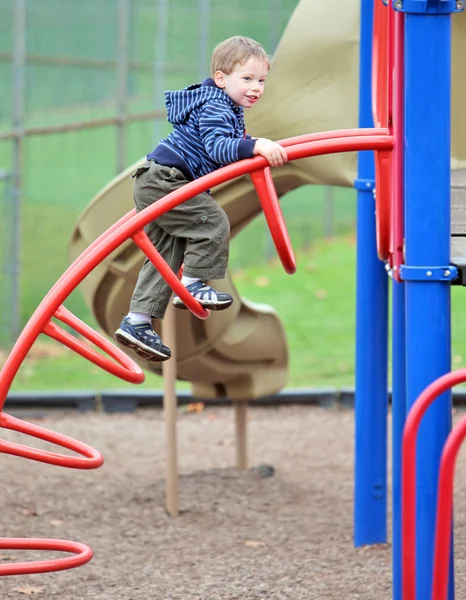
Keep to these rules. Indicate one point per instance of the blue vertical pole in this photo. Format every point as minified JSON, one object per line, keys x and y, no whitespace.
{"x":427,"y":236}
{"x":398,"y":421}
{"x":370,"y":513}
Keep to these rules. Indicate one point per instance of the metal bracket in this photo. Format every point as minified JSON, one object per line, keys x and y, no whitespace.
{"x":430,"y":7}
{"x":365,"y":185}
{"x":447,"y":273}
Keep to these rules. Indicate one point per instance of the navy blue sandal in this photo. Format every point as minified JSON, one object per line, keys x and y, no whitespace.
{"x":143,"y":339}
{"x":206,"y":296}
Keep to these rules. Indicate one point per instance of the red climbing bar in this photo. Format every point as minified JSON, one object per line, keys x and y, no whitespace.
{"x":334,"y":134}
{"x":408,"y":475}
{"x":92,"y":459}
{"x":127,"y":369}
{"x":83,"y":555}
{"x":141,"y":239}
{"x":444,"y":517}
{"x":267,"y":195}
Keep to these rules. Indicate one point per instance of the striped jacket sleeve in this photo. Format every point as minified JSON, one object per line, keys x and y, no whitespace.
{"x":217,"y":127}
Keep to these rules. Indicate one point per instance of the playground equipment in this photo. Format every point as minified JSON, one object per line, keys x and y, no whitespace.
{"x":417,"y":250}
{"x":131,"y":227}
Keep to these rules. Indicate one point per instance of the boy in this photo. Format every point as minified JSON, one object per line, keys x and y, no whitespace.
{"x":208,"y":133}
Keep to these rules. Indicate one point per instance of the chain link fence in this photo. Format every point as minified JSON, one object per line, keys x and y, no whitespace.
{"x":81,"y":98}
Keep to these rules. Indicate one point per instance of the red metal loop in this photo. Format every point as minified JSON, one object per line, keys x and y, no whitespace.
{"x":444,"y":516}
{"x":83,"y":555}
{"x":92,"y":458}
{"x":268,"y":198}
{"x":408,"y":487}
{"x":142,"y":240}
{"x":127,"y":369}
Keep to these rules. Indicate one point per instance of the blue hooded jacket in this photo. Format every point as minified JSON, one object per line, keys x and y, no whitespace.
{"x":208,"y":131}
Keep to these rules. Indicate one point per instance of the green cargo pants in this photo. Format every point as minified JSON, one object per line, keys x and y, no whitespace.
{"x":196,"y":233}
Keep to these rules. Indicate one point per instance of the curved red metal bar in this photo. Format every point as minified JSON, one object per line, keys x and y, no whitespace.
{"x":267,"y":195}
{"x":92,"y":459}
{"x":383,"y":169}
{"x":131,"y":226}
{"x":266,"y":192}
{"x":142,"y":240}
{"x":408,"y":485}
{"x":83,"y":555}
{"x":444,"y":517}
{"x":124,"y":368}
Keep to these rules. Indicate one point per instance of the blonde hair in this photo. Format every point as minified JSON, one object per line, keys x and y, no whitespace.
{"x":236,"y":50}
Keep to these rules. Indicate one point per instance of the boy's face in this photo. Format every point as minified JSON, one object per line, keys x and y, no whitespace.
{"x":245,"y":84}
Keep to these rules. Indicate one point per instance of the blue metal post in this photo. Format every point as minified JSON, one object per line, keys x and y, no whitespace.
{"x":427,"y":235}
{"x":398,"y":421}
{"x":370,"y":514}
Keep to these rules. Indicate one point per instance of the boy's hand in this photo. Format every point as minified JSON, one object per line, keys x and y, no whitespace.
{"x":273,"y":152}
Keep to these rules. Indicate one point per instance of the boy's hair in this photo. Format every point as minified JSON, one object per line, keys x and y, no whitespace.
{"x":236,"y":50}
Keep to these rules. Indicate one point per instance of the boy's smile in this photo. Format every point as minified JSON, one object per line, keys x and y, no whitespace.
{"x":245,"y":84}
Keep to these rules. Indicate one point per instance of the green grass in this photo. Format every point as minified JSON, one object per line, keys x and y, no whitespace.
{"x":316,"y":305}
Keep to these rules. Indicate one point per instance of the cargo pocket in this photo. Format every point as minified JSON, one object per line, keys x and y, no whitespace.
{"x":169,"y":174}
{"x":145,"y":167}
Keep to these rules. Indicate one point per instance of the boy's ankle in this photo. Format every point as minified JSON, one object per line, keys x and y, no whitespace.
{"x":137,"y":317}
{"x":189,"y":280}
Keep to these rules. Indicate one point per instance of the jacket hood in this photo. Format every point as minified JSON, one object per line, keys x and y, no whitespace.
{"x":181,"y":103}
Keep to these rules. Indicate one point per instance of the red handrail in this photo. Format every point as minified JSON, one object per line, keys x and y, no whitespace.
{"x":265,"y":189}
{"x":408,"y":479}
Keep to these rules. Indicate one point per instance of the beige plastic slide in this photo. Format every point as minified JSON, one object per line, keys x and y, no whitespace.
{"x":312,"y":86}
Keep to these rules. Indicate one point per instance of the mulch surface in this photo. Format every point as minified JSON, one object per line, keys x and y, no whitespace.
{"x":262,"y":533}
